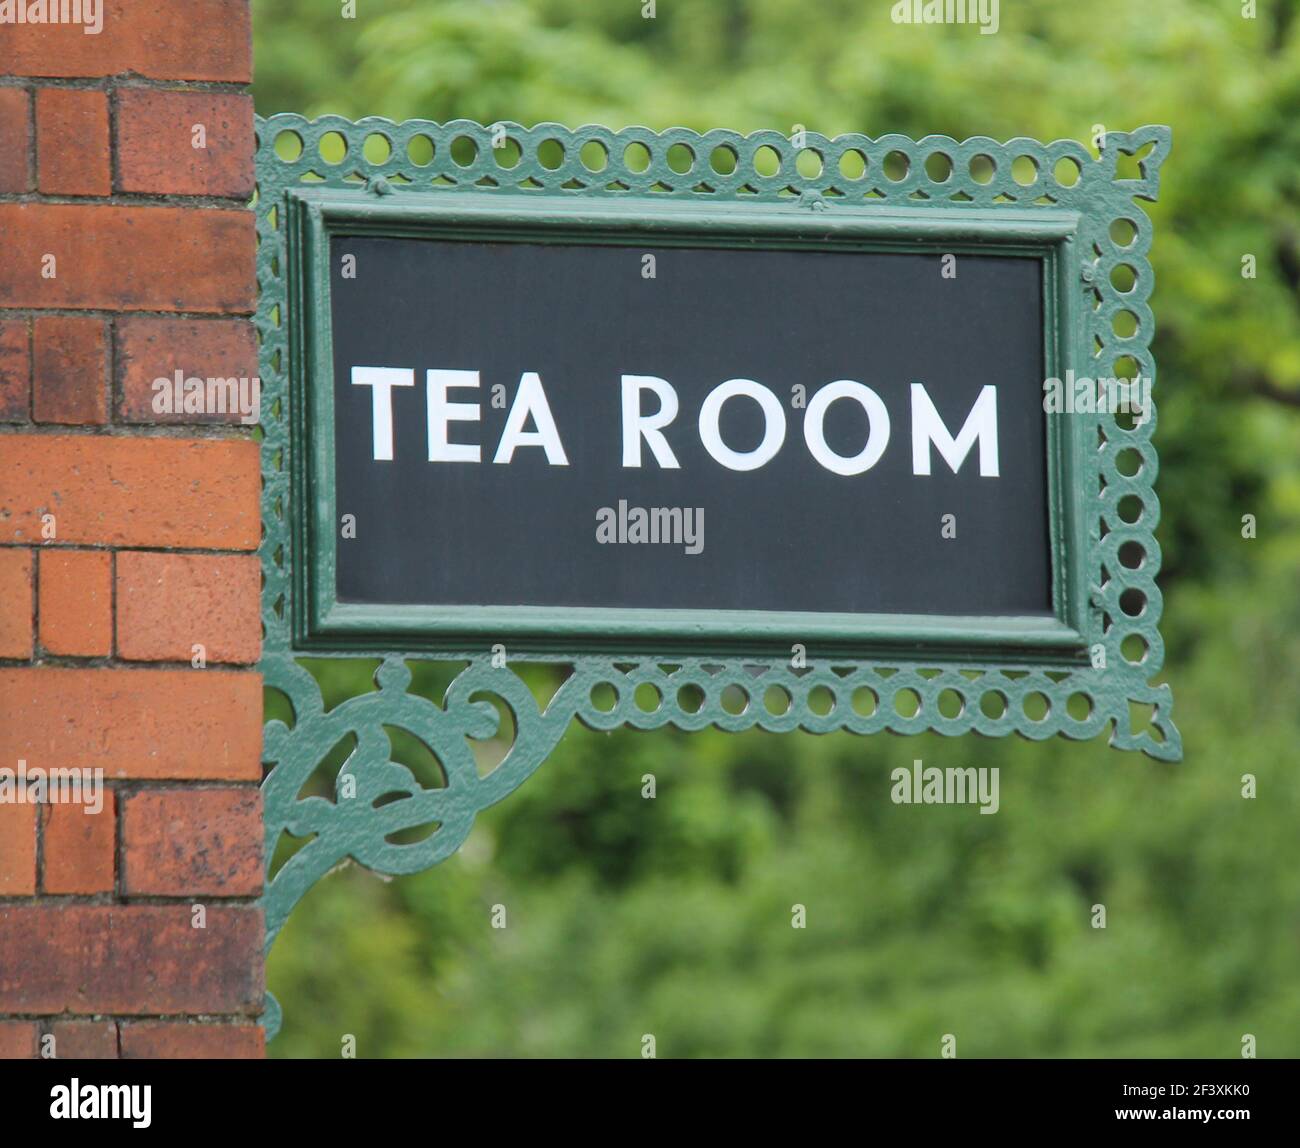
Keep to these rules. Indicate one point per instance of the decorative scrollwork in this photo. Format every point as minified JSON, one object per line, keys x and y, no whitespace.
{"x":911,"y":695}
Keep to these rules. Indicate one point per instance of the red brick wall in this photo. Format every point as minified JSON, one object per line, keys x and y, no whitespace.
{"x":127,"y":536}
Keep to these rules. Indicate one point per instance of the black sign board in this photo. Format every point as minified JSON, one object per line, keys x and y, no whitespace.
{"x":501,"y":430}
{"x":577,"y":429}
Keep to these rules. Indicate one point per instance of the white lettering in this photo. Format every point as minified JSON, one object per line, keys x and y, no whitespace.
{"x":383,"y":380}
{"x":441,"y":412}
{"x":877,"y":436}
{"x":650,"y":427}
{"x":928,"y":428}
{"x":530,"y":400}
{"x":773,"y":431}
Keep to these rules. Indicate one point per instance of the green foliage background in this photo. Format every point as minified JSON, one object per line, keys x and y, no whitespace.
{"x":672,"y":916}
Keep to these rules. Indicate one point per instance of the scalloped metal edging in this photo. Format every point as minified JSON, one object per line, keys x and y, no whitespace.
{"x":635,"y":162}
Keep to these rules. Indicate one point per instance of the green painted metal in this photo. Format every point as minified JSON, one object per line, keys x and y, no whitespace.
{"x":1075,"y":208}
{"x":315,"y":215}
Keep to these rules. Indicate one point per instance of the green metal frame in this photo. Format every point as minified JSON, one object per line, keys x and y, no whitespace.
{"x":316,"y":215}
{"x":584,"y":184}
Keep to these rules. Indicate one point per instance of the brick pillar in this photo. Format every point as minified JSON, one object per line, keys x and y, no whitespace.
{"x":129,"y":586}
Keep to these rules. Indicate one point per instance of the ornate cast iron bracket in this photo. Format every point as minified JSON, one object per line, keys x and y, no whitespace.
{"x":903,"y":695}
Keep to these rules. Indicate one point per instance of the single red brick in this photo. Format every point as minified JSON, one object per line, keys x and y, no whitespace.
{"x":113,"y":257}
{"x":163,"y":1040}
{"x":184,"y":724}
{"x":15,"y":602}
{"x":185,"y":143}
{"x":17,"y":845}
{"x":182,"y":842}
{"x":169,"y":604}
{"x":79,"y":847}
{"x":15,"y":139}
{"x":76,"y":602}
{"x":141,"y":491}
{"x":105,"y":959}
{"x":161,"y":39}
{"x":150,"y":349}
{"x":84,"y":1040}
{"x":18,"y":1039}
{"x":70,"y":361}
{"x":72,"y":149}
{"x":15,"y":369}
